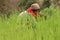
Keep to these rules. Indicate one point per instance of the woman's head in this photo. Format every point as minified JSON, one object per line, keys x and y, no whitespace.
{"x":35,"y":7}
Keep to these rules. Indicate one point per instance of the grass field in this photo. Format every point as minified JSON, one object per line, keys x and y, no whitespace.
{"x":49,"y":29}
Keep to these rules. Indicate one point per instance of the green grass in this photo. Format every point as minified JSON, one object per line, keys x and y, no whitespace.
{"x":15,"y":28}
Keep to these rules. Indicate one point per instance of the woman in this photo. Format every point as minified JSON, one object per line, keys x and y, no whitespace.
{"x":34,"y":9}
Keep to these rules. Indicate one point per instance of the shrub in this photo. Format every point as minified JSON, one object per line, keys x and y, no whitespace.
{"x":13,"y":29}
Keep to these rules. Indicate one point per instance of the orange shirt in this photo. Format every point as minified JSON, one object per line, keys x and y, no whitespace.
{"x":31,"y":12}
